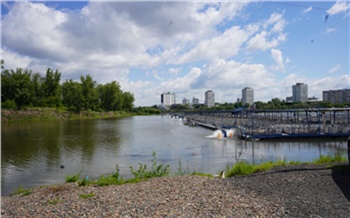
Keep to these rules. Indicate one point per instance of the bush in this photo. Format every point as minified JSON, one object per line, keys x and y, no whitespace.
{"x":156,"y":170}
{"x":22,"y":191}
{"x":10,"y":104}
{"x":72,"y":178}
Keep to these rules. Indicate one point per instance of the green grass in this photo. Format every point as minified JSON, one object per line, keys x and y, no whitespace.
{"x":22,"y":191}
{"x":244,"y":168}
{"x":201,"y":174}
{"x":72,"y":178}
{"x":330,"y":159}
{"x":142,"y":173}
{"x":85,"y":196}
{"x":159,"y":170}
{"x":53,"y":201}
{"x":155,"y":171}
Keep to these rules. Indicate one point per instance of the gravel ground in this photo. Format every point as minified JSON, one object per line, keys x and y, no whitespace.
{"x":293,"y":191}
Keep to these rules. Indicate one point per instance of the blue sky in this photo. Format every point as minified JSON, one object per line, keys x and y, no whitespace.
{"x":184,"y":47}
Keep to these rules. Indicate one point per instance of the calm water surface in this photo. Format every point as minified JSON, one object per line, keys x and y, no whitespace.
{"x":32,"y":154}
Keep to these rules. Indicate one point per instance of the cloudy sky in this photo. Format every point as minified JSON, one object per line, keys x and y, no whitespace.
{"x":184,"y":47}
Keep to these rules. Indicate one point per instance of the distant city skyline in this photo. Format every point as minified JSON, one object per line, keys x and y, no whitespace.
{"x":185,"y":47}
{"x":299,"y":93}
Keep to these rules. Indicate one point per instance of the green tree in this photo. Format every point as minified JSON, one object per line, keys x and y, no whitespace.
{"x":37,"y":81}
{"x":51,"y":88}
{"x":72,"y":95}
{"x":89,"y":91}
{"x":128,"y":101}
{"x":111,"y":96}
{"x":7,"y":86}
{"x":22,"y":87}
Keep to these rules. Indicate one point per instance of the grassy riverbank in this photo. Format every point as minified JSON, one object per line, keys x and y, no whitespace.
{"x":159,"y":170}
{"x":244,"y":168}
{"x":43,"y":114}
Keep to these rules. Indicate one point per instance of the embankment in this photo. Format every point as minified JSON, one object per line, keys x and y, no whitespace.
{"x":42,"y":114}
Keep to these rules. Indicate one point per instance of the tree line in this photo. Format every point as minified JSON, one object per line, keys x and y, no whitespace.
{"x":22,"y":88}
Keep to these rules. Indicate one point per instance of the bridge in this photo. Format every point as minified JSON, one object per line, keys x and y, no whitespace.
{"x":284,"y":123}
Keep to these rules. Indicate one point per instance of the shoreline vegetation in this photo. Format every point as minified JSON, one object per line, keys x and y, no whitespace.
{"x":239,"y":169}
{"x":51,"y":113}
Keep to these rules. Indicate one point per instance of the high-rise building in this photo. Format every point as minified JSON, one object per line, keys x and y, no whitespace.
{"x":185,"y":101}
{"x":209,"y":98}
{"x":300,"y":93}
{"x":247,"y":96}
{"x":339,"y":96}
{"x":195,"y":100}
{"x":167,"y":99}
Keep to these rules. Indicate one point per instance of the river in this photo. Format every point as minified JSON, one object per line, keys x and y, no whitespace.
{"x":43,"y":153}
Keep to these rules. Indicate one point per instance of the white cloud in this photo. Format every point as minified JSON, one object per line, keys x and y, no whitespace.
{"x":280,"y":61}
{"x":278,"y":58}
{"x":307,"y":10}
{"x":222,"y":46}
{"x":13,"y":60}
{"x":334,"y":69}
{"x":174,"y":71}
{"x":39,"y":26}
{"x":338,"y":7}
{"x":330,"y":30}
{"x":181,"y":84}
{"x":271,"y":35}
{"x":227,"y":75}
{"x":155,"y":74}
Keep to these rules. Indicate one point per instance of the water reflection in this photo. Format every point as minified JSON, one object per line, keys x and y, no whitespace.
{"x":32,"y":153}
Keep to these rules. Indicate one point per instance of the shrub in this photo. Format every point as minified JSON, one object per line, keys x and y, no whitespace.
{"x":156,"y":170}
{"x":72,"y":178}
{"x":22,"y":191}
{"x":10,"y":104}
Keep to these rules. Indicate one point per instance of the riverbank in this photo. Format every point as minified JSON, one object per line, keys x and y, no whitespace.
{"x":43,"y":114}
{"x":285,"y":191}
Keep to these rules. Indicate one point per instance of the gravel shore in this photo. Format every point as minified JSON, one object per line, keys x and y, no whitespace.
{"x":293,"y":191}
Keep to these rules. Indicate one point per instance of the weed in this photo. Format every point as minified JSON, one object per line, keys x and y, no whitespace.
{"x":337,"y":157}
{"x":180,"y":171}
{"x":156,"y":170}
{"x":114,"y":179}
{"x":57,"y":188}
{"x":53,"y":201}
{"x":201,"y":174}
{"x":22,"y":191}
{"x":244,"y":168}
{"x":85,"y":196}
{"x":72,"y":178}
{"x":240,"y":168}
{"x":83,"y":182}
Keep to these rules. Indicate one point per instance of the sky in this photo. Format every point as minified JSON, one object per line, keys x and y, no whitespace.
{"x":185,"y":47}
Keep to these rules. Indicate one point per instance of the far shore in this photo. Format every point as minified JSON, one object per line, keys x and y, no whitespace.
{"x":44,"y":114}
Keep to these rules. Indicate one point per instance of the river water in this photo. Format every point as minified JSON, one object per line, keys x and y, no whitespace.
{"x":43,"y":153}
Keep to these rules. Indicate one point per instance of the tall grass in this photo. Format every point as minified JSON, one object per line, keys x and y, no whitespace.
{"x":337,"y":157}
{"x":142,"y":173}
{"x":159,"y":170}
{"x":72,"y":178}
{"x":156,"y":170}
{"x":22,"y":191}
{"x":245,"y":168}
